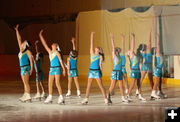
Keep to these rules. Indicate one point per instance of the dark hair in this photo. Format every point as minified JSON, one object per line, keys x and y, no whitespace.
{"x":73,"y":53}
{"x":153,"y":51}
{"x":27,"y":46}
{"x":41,"y":55}
{"x":101,"y":52}
{"x":117,"y":51}
{"x":138,"y":53}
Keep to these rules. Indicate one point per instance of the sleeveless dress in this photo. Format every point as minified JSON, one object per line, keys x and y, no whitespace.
{"x":94,"y":70}
{"x":117,"y":71}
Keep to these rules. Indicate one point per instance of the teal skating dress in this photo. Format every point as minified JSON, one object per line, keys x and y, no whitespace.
{"x":55,"y":68}
{"x":94,"y":71}
{"x":24,"y":63}
{"x":117,"y":71}
{"x":73,"y":67}
{"x":135,"y":70}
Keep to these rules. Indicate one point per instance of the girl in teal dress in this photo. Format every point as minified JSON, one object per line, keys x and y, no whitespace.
{"x":147,"y":63}
{"x":56,"y":64}
{"x":26,"y":64}
{"x":135,"y":70}
{"x":39,"y":73}
{"x":158,"y":73}
{"x":95,"y":71}
{"x":72,"y":70}
{"x":117,"y":74}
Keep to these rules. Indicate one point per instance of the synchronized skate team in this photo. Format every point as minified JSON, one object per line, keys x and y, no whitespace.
{"x":141,"y":63}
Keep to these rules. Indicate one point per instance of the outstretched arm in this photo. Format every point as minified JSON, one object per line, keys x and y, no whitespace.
{"x":44,"y":41}
{"x":18,"y":35}
{"x":73,"y":43}
{"x":149,"y":45}
{"x":123,"y":44}
{"x":113,"y":45}
{"x":36,"y":46}
{"x":132,"y":44}
{"x":91,"y":45}
{"x":158,"y":46}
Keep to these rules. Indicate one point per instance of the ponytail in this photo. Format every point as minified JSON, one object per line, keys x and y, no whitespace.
{"x":101,"y":53}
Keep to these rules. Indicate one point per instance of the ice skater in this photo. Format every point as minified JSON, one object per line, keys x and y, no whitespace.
{"x":39,"y":73}
{"x":117,"y":74}
{"x":95,"y":71}
{"x":147,"y":62}
{"x":72,"y":70}
{"x":158,"y":73}
{"x":26,"y":64}
{"x":135,"y":70}
{"x":56,"y":64}
{"x":124,"y":63}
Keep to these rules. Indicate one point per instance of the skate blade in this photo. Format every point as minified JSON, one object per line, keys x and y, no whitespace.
{"x":79,"y":96}
{"x":125,"y":102}
{"x":48,"y":102}
{"x":68,"y":97}
{"x":86,"y":103}
{"x":153,"y":98}
{"x":37,"y":99}
{"x":27,"y":101}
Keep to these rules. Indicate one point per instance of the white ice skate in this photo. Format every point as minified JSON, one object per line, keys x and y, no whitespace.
{"x":43,"y":95}
{"x":22,"y":97}
{"x":161,"y":95}
{"x":129,"y":98}
{"x":48,"y":100}
{"x":61,"y":101}
{"x":124,"y":100}
{"x":68,"y":95}
{"x":79,"y":93}
{"x":37,"y":96}
{"x":85,"y":101}
{"x":27,"y":98}
{"x":141,"y":98}
{"x":137,"y":93}
{"x":154,"y":96}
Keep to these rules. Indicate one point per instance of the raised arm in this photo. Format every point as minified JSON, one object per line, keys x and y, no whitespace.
{"x":158,"y":46}
{"x":123,"y":44}
{"x":73,"y":43}
{"x":36,"y":46}
{"x":132,"y":44}
{"x":44,"y":42}
{"x":91,"y":45}
{"x":113,"y":45}
{"x":18,"y":35}
{"x":149,"y":45}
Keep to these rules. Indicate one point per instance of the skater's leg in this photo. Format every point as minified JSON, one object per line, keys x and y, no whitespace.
{"x":126,"y":81}
{"x":150,"y":76}
{"x":37,"y":86}
{"x":69,"y":84}
{"x":42,"y":86}
{"x":112,"y":86}
{"x":50,"y":84}
{"x":121,"y":87}
{"x":99,"y":81}
{"x":131,"y":85}
{"x":57,"y":79}
{"x":88,"y":87}
{"x":26,"y":81}
{"x":157,"y":82}
{"x":76,"y":83}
